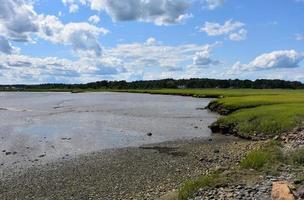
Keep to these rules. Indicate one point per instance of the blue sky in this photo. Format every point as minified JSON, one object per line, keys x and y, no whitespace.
{"x":76,"y":41}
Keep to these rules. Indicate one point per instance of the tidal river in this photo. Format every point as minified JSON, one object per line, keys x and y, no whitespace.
{"x":38,"y":127}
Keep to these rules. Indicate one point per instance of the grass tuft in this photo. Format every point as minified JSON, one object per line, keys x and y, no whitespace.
{"x":189,"y":188}
{"x":267,"y":158}
{"x":298,"y":156}
{"x":255,"y":160}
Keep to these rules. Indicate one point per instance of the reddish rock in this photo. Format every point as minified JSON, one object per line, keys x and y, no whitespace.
{"x":281,"y":191}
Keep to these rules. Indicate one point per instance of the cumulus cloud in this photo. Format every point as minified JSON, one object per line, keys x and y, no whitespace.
{"x":167,"y":60}
{"x":273,"y":60}
{"x":234,"y":30}
{"x":73,"y":5}
{"x":26,"y":69}
{"x":203,"y":57}
{"x":94,"y":19}
{"x":17,"y":20}
{"x":5,"y":46}
{"x":125,"y":61}
{"x":160,"y":12}
{"x":83,"y":37}
{"x":21,"y":69}
{"x":212,"y":4}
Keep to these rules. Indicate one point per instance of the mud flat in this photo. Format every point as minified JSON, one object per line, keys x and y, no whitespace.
{"x":102,"y":145}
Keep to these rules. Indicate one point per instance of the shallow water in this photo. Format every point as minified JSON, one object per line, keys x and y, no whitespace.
{"x":43,"y":126}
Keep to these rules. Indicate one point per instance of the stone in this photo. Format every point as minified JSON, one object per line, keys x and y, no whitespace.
{"x":216,"y":151}
{"x":300,"y":192}
{"x":281,"y":191}
{"x":297,"y":181}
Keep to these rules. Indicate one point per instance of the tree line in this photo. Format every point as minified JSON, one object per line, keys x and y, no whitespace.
{"x":165,"y":83}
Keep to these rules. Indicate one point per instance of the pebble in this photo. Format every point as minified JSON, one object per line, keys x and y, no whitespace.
{"x":237,"y":192}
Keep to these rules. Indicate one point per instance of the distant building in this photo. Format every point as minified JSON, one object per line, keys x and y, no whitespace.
{"x":181,"y":87}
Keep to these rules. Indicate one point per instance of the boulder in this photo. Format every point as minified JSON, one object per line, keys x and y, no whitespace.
{"x":281,"y":191}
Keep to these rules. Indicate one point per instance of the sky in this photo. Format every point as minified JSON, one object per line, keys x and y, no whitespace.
{"x":80,"y":41}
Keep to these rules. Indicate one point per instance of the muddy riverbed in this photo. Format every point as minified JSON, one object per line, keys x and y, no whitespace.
{"x":36,"y":128}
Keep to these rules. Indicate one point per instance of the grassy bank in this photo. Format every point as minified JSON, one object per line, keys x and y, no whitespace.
{"x":249,"y":113}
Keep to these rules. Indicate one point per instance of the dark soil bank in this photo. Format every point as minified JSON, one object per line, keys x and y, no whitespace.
{"x":132,"y":173}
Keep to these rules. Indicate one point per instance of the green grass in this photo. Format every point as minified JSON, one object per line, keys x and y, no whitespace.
{"x":255,"y":160}
{"x":216,"y":93}
{"x":189,"y":188}
{"x":264,"y":121}
{"x":298,"y":156}
{"x":250,"y":113}
{"x":267,"y":158}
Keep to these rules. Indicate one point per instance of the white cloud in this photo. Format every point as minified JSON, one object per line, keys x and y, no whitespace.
{"x":273,"y":60}
{"x":300,"y":37}
{"x":73,"y":5}
{"x":17,"y":20}
{"x":125,"y":61}
{"x":5,"y":46}
{"x":212,"y":4}
{"x":239,"y":35}
{"x":157,"y":60}
{"x":151,"y":41}
{"x":83,"y":37}
{"x":94,"y":19}
{"x":73,"y":8}
{"x":26,"y":69}
{"x":234,"y":30}
{"x":160,"y":12}
{"x":203,"y":57}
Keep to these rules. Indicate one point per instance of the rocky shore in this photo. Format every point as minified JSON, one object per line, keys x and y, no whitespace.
{"x":147,"y":172}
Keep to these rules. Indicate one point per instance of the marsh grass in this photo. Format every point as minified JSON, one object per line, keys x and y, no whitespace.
{"x":265,"y":121}
{"x":250,"y":112}
{"x":267,"y":158}
{"x":189,"y":188}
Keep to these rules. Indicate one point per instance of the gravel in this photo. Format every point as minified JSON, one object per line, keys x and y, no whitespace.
{"x":130,"y":173}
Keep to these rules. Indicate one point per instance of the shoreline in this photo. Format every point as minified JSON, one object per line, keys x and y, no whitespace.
{"x":149,"y":171}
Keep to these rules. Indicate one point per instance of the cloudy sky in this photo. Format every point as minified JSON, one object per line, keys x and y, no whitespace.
{"x":77,"y":41}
